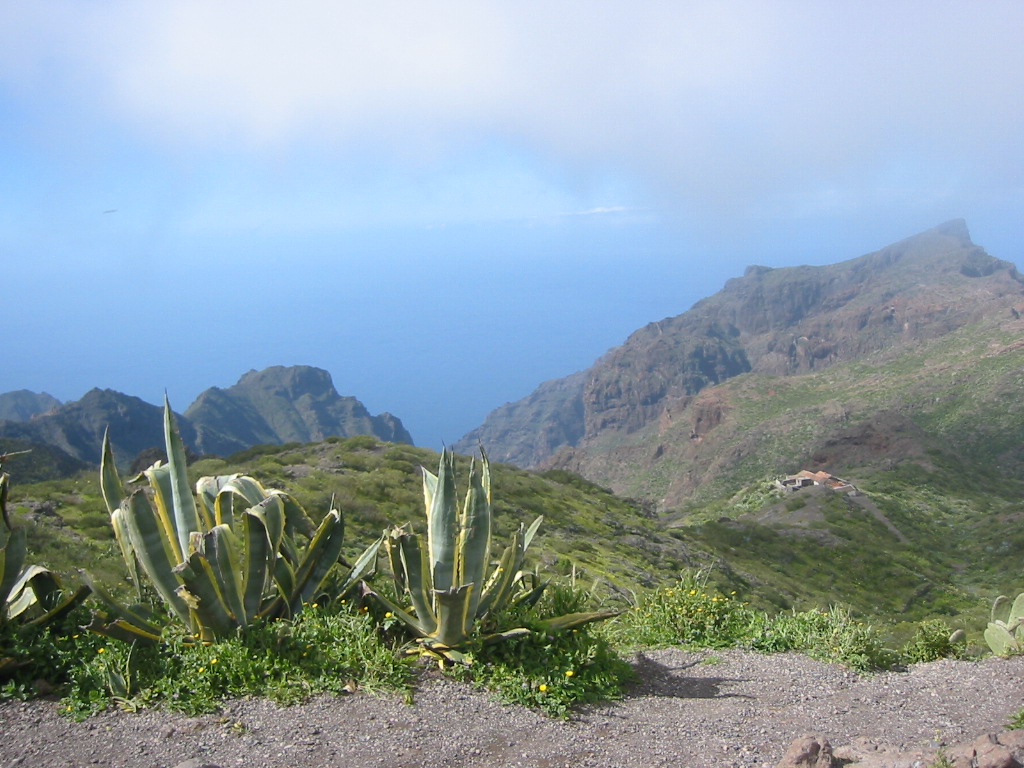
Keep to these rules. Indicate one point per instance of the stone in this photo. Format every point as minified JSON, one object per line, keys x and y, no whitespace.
{"x":808,"y":752}
{"x":989,"y":753}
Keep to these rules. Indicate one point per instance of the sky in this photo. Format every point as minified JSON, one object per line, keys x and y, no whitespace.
{"x":444,"y":204}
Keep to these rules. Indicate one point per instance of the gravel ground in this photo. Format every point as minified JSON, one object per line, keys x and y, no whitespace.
{"x":689,"y":710}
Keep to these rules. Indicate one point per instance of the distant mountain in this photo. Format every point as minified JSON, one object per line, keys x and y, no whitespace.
{"x":283,"y":405}
{"x":650,"y":418}
{"x":277,"y":405}
{"x":77,"y":427}
{"x":23,"y":405}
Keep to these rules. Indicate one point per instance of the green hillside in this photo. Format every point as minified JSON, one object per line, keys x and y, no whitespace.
{"x":377,"y":485}
{"x":907,"y":548}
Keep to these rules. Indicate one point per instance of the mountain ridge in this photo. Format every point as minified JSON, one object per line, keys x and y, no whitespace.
{"x":276,"y":405}
{"x":772,"y":322}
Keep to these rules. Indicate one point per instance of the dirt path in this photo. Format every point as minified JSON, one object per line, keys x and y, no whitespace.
{"x":690,"y":710}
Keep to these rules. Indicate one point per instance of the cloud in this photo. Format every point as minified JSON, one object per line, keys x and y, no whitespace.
{"x":723,"y":108}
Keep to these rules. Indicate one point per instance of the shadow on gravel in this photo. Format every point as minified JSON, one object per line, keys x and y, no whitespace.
{"x":657,"y":679}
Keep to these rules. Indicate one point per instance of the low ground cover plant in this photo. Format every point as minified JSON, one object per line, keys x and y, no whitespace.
{"x":334,"y":649}
{"x":549,"y":669}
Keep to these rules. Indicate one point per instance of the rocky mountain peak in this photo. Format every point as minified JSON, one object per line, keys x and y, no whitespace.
{"x":783,"y":321}
{"x":291,"y":382}
{"x":276,"y":405}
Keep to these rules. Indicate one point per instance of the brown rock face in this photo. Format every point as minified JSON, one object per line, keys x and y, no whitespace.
{"x":781,"y":322}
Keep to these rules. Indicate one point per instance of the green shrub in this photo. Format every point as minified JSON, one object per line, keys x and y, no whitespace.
{"x":934,"y":640}
{"x":687,"y":613}
{"x":833,"y":636}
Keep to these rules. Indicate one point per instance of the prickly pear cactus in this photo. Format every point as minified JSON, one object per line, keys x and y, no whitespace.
{"x":1006,"y":638}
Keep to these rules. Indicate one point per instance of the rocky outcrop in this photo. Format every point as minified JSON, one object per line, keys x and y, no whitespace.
{"x":282,"y":405}
{"x":529,"y":430}
{"x":780,"y":322}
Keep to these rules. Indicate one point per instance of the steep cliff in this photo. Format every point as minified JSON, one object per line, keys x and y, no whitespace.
{"x":664,"y":389}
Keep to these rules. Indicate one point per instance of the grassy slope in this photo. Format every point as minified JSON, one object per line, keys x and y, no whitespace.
{"x":933,"y":437}
{"x":377,"y":485}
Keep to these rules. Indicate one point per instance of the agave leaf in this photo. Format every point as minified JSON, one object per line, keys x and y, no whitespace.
{"x":66,"y":603}
{"x":221,"y":548}
{"x":415,"y":574}
{"x":454,"y":621}
{"x":414,"y":623}
{"x":36,"y":586}
{"x":259,"y":561}
{"x":531,"y":532}
{"x":122,"y":630}
{"x":185,"y":513}
{"x":271,"y":514}
{"x":284,"y":579}
{"x":12,"y":559}
{"x":442,"y":522}
{"x":319,"y":558}
{"x":155,"y":551}
{"x":135,"y":616}
{"x":429,"y":489}
{"x":506,"y":635}
{"x":207,"y":491}
{"x":110,"y":481}
{"x":362,"y":568}
{"x":573,"y":620}
{"x":202,"y":593}
{"x":499,"y":585}
{"x":159,"y":477}
{"x":124,"y":543}
{"x":475,"y":534}
{"x":295,"y":516}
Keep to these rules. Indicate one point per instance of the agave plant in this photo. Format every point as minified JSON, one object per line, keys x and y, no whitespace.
{"x":447,"y":585}
{"x":1006,"y":637}
{"x":33,"y":594}
{"x":232,"y":554}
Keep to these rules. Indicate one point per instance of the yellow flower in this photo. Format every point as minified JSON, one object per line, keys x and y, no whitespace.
{"x":202,"y":669}
{"x":101,"y":650}
{"x":213,"y":661}
{"x":569,"y":673}
{"x":693,"y":592}
{"x":542,"y":687}
{"x":388,"y":615}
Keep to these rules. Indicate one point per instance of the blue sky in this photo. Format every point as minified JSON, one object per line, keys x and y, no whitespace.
{"x":444,"y":204}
